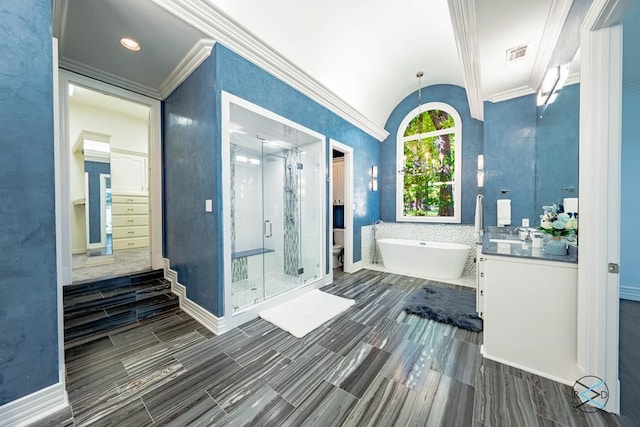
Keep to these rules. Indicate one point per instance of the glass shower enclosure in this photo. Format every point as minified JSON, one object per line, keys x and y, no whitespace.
{"x":275,"y":212}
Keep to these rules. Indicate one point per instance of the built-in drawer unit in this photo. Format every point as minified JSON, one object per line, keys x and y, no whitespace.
{"x":120,"y":199}
{"x":129,"y":209}
{"x":124,"y":232}
{"x":130,"y":220}
{"x":131,"y":243}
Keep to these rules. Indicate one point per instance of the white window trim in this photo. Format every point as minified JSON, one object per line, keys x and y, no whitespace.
{"x":457,"y":190}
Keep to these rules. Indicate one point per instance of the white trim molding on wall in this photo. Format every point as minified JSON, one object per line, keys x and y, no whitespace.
{"x":63,"y":196}
{"x":57,"y":397}
{"x":217,"y":325}
{"x":600,"y":141}
{"x":631,"y":293}
{"x":29,"y":409}
{"x":348,"y":205}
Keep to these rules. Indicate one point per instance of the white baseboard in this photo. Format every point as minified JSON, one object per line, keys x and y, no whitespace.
{"x":356,"y":266}
{"x":215,"y":324}
{"x":630,"y":292}
{"x":566,"y":381}
{"x":35,"y":406}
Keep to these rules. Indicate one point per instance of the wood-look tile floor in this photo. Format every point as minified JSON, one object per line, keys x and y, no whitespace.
{"x":372,"y":366}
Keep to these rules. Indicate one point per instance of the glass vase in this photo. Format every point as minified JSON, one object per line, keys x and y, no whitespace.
{"x":555,"y":246}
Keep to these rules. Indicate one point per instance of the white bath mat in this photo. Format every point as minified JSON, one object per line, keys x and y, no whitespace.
{"x":305,"y":313}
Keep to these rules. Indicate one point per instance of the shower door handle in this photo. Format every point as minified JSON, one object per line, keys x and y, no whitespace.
{"x":268,"y":228}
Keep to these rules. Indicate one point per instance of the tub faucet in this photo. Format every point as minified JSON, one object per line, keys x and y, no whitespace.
{"x":375,"y":252}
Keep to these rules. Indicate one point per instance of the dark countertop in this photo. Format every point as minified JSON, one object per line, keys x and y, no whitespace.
{"x":519,"y":250}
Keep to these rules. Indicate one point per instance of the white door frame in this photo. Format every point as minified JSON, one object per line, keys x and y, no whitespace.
{"x":600,"y":140}
{"x":63,"y":199}
{"x":347,"y":262}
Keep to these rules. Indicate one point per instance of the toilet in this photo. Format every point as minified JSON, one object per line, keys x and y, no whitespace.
{"x":338,"y":246}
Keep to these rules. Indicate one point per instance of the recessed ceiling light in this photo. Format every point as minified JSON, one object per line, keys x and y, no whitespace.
{"x":130,"y":44}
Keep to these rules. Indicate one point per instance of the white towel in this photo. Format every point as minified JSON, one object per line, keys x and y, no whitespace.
{"x":504,"y":212}
{"x":477,"y":232}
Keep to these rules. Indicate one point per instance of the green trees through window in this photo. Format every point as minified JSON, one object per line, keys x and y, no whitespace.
{"x":429,"y":142}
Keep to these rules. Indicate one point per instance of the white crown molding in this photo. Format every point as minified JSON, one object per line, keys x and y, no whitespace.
{"x":217,"y":325}
{"x":59,"y":18}
{"x":511,"y":94}
{"x":630,"y":292}
{"x":465,"y":29}
{"x":526,"y":90}
{"x":553,"y":26}
{"x":97,"y":74}
{"x":29,"y":409}
{"x":212,"y":23}
{"x":187,"y":65}
{"x":572,"y":79}
{"x":605,"y":13}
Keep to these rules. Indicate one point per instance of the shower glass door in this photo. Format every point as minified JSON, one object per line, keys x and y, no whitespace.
{"x":266,"y":221}
{"x":276,"y":208}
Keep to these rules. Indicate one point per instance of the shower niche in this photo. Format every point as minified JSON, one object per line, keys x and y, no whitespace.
{"x":273,"y":177}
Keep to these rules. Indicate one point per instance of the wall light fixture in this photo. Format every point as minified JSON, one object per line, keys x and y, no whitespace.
{"x":374,"y":178}
{"x":553,"y":81}
{"x":480,"y":170}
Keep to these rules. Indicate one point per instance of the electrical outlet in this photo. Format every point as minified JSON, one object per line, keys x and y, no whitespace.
{"x":525,"y":222}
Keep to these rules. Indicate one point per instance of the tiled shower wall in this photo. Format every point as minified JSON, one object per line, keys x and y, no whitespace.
{"x":420,"y":232}
{"x":291,"y":214}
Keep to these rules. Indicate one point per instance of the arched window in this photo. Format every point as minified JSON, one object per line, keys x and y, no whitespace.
{"x":429,"y":157}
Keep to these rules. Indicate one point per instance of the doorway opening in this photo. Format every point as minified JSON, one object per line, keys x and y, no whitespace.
{"x":109,"y":142}
{"x":341,"y":207}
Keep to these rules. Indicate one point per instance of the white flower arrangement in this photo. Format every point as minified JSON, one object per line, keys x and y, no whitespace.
{"x":557,"y":223}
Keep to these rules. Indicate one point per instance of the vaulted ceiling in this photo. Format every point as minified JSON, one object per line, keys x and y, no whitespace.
{"x":358,"y":58}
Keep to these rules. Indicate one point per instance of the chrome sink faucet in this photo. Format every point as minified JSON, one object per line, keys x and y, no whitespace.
{"x":523,"y":233}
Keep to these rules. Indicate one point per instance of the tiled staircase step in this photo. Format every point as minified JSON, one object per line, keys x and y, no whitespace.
{"x":101,"y":325}
{"x":88,"y":287}
{"x":143,"y":305}
{"x":93,"y":310}
{"x":118,"y":315}
{"x":84,"y":288}
{"x":115,"y":297}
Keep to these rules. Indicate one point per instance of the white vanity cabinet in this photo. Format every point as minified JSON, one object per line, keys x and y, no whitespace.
{"x":130,"y":217}
{"x":530,"y":314}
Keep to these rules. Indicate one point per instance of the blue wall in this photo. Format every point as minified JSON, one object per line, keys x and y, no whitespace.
{"x":191,"y":166}
{"x":28,"y":307}
{"x":510,"y":158}
{"x":94,"y":169}
{"x":471,"y":146}
{"x":630,"y":203}
{"x":533,"y":157}
{"x":192,"y":172}
{"x":557,"y":149}
{"x":630,"y":172}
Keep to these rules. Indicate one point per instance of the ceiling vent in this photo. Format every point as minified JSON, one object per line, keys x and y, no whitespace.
{"x":516,"y":53}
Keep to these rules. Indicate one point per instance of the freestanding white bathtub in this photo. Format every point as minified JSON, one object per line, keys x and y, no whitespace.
{"x":437,"y":260}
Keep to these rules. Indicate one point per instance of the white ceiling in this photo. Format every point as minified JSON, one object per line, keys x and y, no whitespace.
{"x":363,"y":53}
